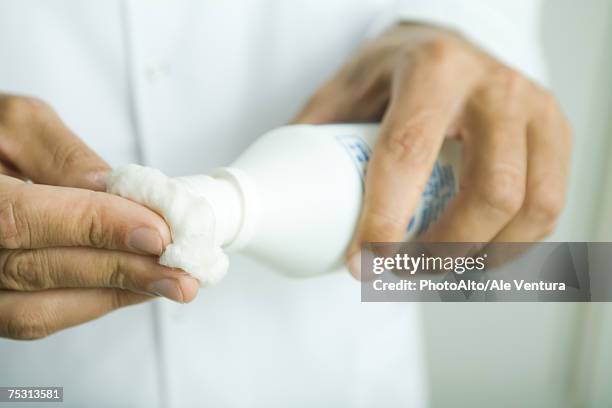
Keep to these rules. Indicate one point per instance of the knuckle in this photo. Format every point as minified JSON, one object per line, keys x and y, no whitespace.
{"x":116,"y":273}
{"x":118,"y":298}
{"x":94,"y":216}
{"x":18,"y":271}
{"x":115,"y":299}
{"x":13,"y":232}
{"x":503,"y":95}
{"x":503,"y":191}
{"x":515,"y":83}
{"x":9,"y":237}
{"x":440,"y":51}
{"x":512,"y":82}
{"x":66,"y":155}
{"x":29,"y":324}
{"x":410,"y":140}
{"x":545,"y":204}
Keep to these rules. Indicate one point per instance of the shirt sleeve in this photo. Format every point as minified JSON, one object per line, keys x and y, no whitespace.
{"x":507,"y":29}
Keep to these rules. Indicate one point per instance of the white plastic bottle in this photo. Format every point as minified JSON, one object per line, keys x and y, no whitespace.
{"x":292,"y":199}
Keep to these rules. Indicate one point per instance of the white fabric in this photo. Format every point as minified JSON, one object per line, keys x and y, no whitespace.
{"x":507,"y":29}
{"x":184,"y":86}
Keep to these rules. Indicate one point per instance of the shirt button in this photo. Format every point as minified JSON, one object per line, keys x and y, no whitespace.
{"x":154,"y":71}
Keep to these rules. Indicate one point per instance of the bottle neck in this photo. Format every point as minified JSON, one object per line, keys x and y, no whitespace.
{"x":225,"y":190}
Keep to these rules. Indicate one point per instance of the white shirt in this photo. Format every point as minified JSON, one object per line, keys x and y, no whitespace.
{"x":185,"y":86}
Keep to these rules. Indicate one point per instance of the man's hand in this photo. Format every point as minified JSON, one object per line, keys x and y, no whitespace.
{"x":426,"y":84}
{"x":69,"y":254}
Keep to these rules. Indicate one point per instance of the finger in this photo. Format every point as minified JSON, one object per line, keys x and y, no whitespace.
{"x":341,"y":104}
{"x":425,"y":101}
{"x":48,"y":268}
{"x":9,"y":170}
{"x":37,"y":143}
{"x":34,"y":315}
{"x":549,"y":145}
{"x":35,"y":216}
{"x":492,"y":179}
{"x":352,"y":95}
{"x":324,"y":106}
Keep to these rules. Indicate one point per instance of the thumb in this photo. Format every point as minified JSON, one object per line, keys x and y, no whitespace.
{"x":39,"y":145}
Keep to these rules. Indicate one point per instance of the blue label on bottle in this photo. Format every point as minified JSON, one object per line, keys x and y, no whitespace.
{"x":358,"y":151}
{"x":440,"y":188}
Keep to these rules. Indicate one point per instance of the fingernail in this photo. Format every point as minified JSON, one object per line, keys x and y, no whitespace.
{"x":98,"y":180}
{"x":168,"y":288}
{"x":146,"y":240}
{"x":183,"y":289}
{"x":189,"y":288}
